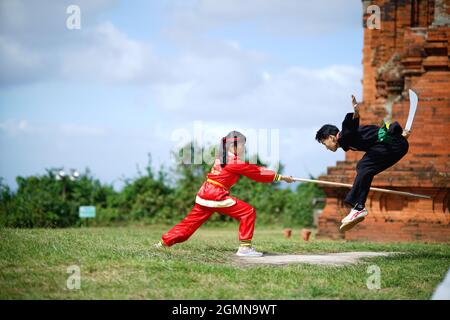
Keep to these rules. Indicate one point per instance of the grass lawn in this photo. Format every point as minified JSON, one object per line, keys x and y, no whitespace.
{"x":120,"y":263}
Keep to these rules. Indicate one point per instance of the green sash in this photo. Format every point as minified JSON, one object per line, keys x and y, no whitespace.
{"x":383,"y":133}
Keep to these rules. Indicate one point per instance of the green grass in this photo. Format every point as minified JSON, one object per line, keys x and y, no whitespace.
{"x":120,"y":263}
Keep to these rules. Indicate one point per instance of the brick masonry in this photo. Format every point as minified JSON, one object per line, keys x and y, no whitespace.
{"x":411,"y":50}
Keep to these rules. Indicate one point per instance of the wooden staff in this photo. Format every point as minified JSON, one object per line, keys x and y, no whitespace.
{"x":338,"y":184}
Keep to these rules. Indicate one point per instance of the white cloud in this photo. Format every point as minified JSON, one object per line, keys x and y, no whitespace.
{"x":14,"y":127}
{"x":35,"y":43}
{"x":218,"y":81}
{"x":34,"y":38}
{"x":18,"y":63}
{"x":17,"y":127}
{"x":110,"y":56}
{"x":224,"y":75}
{"x":44,"y":22}
{"x":77,"y":130}
{"x":287,"y":17}
{"x":103,"y":53}
{"x":293,"y":97}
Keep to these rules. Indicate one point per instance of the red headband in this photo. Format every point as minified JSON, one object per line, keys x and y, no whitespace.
{"x":232,"y":139}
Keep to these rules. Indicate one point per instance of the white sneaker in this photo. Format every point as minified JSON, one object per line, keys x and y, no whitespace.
{"x":159,"y":245}
{"x":353,"y":218}
{"x":247,"y":251}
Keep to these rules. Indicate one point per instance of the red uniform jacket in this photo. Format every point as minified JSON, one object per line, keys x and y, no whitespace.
{"x":215,"y":190}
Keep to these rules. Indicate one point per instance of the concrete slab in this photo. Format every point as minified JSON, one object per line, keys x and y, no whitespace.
{"x":334,"y":259}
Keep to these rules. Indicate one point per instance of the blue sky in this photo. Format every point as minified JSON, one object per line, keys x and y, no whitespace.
{"x":136,"y":73}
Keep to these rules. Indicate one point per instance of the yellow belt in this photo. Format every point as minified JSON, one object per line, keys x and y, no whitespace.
{"x":216,"y":183}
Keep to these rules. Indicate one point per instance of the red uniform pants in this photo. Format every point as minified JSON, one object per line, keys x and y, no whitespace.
{"x":241,"y":211}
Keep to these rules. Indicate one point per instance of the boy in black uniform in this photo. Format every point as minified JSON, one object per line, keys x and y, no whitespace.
{"x":384,"y":146}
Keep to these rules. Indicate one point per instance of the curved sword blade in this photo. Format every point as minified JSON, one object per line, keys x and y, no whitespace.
{"x":412,"y":109}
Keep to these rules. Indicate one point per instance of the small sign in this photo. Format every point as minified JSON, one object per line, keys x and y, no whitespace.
{"x":86,"y":212}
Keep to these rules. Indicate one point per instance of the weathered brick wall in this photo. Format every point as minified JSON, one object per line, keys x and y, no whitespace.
{"x":411,"y":50}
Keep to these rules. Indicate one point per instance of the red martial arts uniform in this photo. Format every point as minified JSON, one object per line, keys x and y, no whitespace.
{"x":214,"y":196}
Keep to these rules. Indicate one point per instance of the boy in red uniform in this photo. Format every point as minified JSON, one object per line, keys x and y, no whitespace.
{"x":214,"y":196}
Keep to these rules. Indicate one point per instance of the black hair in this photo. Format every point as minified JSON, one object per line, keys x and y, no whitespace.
{"x":231,"y":138}
{"x":326,"y":131}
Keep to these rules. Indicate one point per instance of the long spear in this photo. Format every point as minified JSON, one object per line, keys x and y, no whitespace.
{"x":338,"y":184}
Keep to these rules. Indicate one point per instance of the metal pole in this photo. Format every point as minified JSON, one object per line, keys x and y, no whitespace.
{"x":338,"y":184}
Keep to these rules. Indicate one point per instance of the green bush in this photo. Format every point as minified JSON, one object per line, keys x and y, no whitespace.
{"x":43,"y":201}
{"x":164,"y":197}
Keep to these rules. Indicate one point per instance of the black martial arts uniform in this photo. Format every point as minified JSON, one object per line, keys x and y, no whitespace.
{"x":384,"y":146}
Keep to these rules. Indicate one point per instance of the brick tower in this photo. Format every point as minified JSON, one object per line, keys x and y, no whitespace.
{"x":409,"y":51}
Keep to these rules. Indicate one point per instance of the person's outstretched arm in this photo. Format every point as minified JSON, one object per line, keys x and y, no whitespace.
{"x":257,"y":173}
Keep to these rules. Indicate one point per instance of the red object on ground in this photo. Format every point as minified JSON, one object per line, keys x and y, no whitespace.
{"x":305,"y":234}
{"x":287,"y":233}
